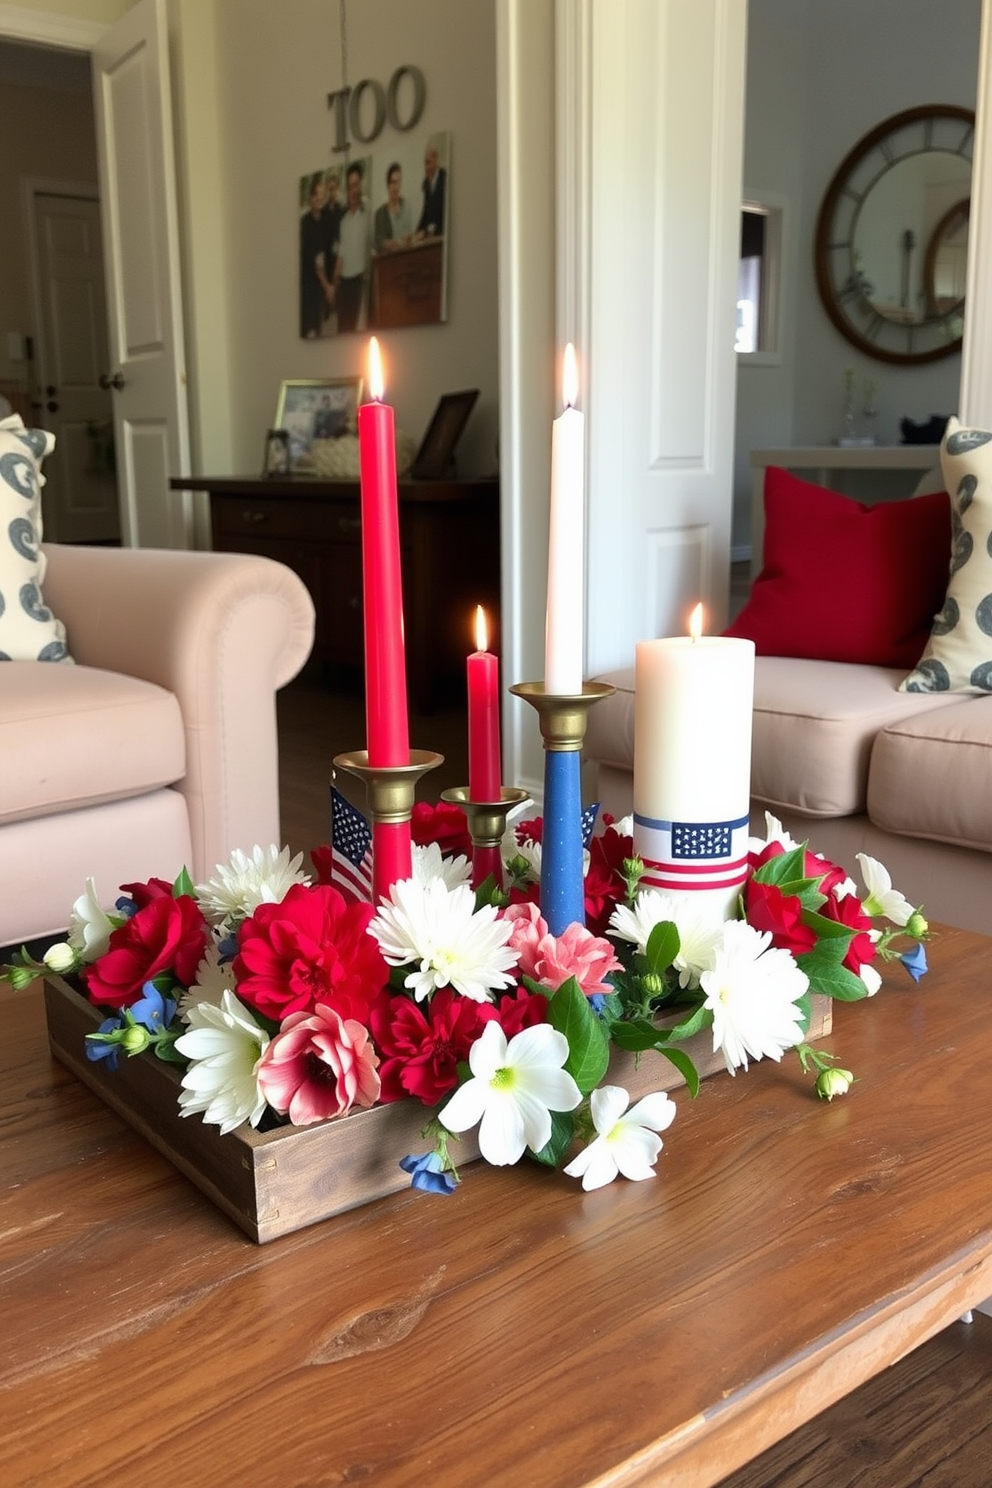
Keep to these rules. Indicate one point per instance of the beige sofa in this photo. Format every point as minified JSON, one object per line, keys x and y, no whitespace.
{"x":852,"y":764}
{"x":158,"y":748}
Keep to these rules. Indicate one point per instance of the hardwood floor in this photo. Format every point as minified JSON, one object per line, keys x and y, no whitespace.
{"x":924,"y":1423}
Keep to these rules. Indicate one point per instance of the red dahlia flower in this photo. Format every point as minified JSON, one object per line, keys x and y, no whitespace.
{"x":311,"y":948}
{"x":422,"y":1044}
{"x":767,"y":908}
{"x":444,"y":824}
{"x":166,"y":935}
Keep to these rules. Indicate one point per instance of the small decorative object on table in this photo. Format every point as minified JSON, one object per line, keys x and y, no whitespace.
{"x":321,"y":1034}
{"x":515,"y":995}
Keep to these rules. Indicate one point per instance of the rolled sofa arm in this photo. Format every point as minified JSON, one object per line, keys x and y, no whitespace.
{"x":222,"y":631}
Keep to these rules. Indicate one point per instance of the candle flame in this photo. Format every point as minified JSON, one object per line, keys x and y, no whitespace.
{"x":377,"y":385}
{"x":696,"y":622}
{"x":481,"y":629}
{"x":569,"y":378}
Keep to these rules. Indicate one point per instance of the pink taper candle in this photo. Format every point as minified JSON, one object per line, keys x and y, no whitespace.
{"x":484,"y":768}
{"x":387,"y":728}
{"x":484,"y":772}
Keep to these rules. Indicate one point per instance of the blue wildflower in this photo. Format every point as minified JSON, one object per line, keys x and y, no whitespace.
{"x":153,"y":1011}
{"x":597,"y":1001}
{"x":428,"y":1174}
{"x":228,"y":948}
{"x":126,"y":906}
{"x":97,"y":1049}
{"x":915,"y":961}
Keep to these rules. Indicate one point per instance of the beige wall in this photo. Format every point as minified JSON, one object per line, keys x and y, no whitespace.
{"x":250,"y":79}
{"x":53,"y":131}
{"x":250,"y":89}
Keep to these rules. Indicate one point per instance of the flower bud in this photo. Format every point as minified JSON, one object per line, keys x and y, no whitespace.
{"x":653,"y":983}
{"x":135,"y":1039}
{"x":60,"y":957}
{"x":831,"y":1082}
{"x":916,"y":925}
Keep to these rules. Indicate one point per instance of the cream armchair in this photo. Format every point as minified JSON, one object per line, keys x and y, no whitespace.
{"x":158,"y":748}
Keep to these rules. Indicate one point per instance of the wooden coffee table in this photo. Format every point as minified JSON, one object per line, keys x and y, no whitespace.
{"x":520,"y":1332}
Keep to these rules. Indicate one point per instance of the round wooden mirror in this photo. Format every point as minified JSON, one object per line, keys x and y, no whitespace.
{"x":891,"y":237}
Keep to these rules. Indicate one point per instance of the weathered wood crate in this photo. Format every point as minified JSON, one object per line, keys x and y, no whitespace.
{"x":271,"y":1183}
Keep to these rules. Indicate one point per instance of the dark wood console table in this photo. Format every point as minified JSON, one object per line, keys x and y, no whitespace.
{"x":518,"y":1332}
{"x":449,"y":536}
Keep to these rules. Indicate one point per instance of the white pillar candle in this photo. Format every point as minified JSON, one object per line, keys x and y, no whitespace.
{"x":565,"y":619}
{"x":692,"y":766}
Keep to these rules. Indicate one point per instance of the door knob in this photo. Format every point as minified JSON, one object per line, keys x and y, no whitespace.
{"x":107,"y":382}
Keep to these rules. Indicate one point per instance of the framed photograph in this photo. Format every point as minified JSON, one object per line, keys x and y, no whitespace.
{"x":310,"y":409}
{"x":437,"y":447}
{"x":276,"y":453}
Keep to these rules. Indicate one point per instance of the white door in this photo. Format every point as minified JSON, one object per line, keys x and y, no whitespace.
{"x":79,"y":500}
{"x":147,"y":362}
{"x":666,"y":134}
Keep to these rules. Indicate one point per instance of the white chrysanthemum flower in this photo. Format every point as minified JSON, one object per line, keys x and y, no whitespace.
{"x":882,"y":898}
{"x":624,"y":826}
{"x":239,"y":886}
{"x":627,"y":1142}
{"x":429,"y":862}
{"x":90,"y":926}
{"x":751,"y":991}
{"x":453,"y":942}
{"x":213,"y":979}
{"x":513,"y":1090}
{"x":225,"y":1046}
{"x":700,"y":929}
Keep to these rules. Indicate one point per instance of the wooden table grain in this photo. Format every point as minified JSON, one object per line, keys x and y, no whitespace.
{"x":520,"y":1332}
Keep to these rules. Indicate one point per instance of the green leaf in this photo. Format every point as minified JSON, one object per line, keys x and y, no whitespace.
{"x":637,"y":1035}
{"x":183,"y":885}
{"x":827,"y":929}
{"x":698,"y":1019}
{"x":555,"y":1149}
{"x":826,"y":974}
{"x":490,"y":892}
{"x":588,"y":1046}
{"x":787,"y":867}
{"x":686,"y":1068}
{"x":662,"y":947}
{"x":535,"y":987}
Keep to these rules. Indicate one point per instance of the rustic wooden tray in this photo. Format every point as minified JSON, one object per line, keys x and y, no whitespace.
{"x":271,"y":1183}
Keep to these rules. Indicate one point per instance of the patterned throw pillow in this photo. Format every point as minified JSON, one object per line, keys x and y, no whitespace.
{"x":958,"y":656}
{"x":28,"y":629}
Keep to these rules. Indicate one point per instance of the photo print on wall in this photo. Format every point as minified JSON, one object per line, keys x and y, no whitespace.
{"x":374,"y":240}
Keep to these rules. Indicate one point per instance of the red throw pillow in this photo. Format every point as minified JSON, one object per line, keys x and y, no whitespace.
{"x":843,"y":581}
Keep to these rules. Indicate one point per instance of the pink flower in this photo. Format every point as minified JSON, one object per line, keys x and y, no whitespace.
{"x":550,"y":960}
{"x":318,"y":1066}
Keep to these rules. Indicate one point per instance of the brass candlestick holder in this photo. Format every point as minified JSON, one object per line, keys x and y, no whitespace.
{"x":486,"y":819}
{"x":389,"y":789}
{"x":562,"y":717}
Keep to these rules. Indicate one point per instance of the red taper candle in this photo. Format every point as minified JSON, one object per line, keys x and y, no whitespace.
{"x":387,"y":726}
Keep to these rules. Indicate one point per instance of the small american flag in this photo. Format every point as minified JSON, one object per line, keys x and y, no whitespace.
{"x":351,"y":848}
{"x":589,"y":823}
